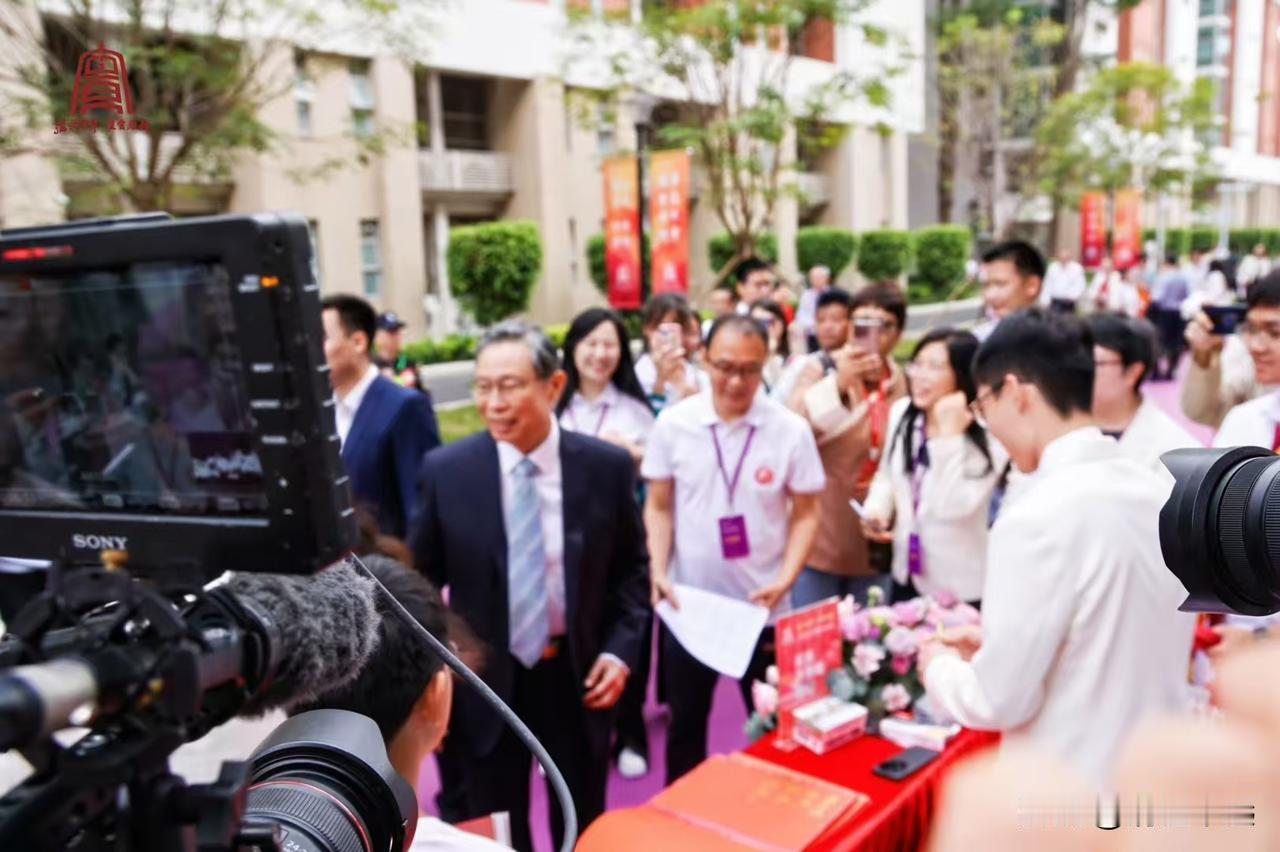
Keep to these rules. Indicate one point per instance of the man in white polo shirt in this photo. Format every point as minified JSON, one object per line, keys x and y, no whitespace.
{"x":722,"y":469}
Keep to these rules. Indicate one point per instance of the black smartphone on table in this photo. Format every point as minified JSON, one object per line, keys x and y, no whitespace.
{"x":905,"y":763}
{"x":1226,"y":318}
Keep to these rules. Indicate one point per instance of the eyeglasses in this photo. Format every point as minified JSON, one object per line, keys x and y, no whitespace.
{"x":741,"y":371}
{"x":978,"y":406}
{"x":1108,"y":362}
{"x":504,"y":388}
{"x":1270,"y":331}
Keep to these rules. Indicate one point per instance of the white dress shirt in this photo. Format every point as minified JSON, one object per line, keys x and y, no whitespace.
{"x":1081,"y":634}
{"x":1120,"y":296}
{"x":1251,"y":424}
{"x":611,"y":412}
{"x":1151,"y":434}
{"x":782,"y":460}
{"x":1063,"y":281}
{"x":955,"y":496}
{"x":345,"y":408}
{"x":548,"y":481}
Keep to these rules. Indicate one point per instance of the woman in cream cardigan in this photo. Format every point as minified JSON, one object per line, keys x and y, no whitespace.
{"x":932,"y":491}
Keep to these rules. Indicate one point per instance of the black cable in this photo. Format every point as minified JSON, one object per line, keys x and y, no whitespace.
{"x":522,"y":731}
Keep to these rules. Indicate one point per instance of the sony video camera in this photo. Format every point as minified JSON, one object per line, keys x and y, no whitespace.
{"x":165,"y":417}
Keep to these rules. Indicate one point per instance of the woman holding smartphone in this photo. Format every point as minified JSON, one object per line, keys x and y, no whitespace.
{"x":665,"y":370}
{"x":931,"y":494}
{"x":771,"y":315}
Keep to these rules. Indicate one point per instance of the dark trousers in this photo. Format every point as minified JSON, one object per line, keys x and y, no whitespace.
{"x":631,"y":729}
{"x":548,"y":699}
{"x":1171,"y":327}
{"x":690,"y":688}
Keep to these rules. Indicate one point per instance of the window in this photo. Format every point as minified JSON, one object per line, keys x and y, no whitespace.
{"x":361,"y":98}
{"x":313,"y":230}
{"x":370,"y":257}
{"x":1206,"y":47}
{"x":304,"y":94}
{"x":465,"y":104}
{"x":605,"y":142}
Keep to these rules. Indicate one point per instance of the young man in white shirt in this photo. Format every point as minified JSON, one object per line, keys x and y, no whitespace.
{"x":1081,"y":636}
{"x":1124,"y":355}
{"x":1012,"y":273}
{"x":732,"y":508}
{"x":406,"y":689}
{"x":1256,"y":423}
{"x":1064,"y":283}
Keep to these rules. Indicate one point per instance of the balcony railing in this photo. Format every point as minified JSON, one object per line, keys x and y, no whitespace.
{"x":466,"y":172}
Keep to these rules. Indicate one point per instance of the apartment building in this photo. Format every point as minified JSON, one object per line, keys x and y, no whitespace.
{"x":503,"y":139}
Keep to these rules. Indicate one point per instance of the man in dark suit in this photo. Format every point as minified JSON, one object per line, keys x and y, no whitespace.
{"x":536,"y":533}
{"x":385,"y":429}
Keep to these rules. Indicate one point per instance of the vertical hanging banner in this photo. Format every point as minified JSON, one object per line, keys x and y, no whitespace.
{"x":622,"y":232}
{"x":1093,"y":229}
{"x":669,"y":218}
{"x":1126,"y":241}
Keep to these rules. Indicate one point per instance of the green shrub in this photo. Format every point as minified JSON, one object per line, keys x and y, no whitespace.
{"x":1272,"y":238}
{"x":833,"y":248}
{"x":1177,"y":241}
{"x":493,"y":268}
{"x":455,"y":347}
{"x":1242,"y":240}
{"x":1203,"y":239}
{"x":941,"y":253}
{"x":1149,"y":235}
{"x":884,"y":255}
{"x":720,"y":250}
{"x":556,"y":334}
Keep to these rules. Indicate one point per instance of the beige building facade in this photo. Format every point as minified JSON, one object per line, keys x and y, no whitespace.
{"x":482,"y":126}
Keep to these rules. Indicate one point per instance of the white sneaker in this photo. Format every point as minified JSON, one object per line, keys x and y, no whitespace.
{"x":632,"y":765}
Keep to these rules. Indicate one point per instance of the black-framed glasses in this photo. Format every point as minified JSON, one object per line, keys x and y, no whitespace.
{"x":978,"y":407}
{"x":741,"y":371}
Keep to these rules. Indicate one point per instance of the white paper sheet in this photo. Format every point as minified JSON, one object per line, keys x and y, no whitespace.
{"x":720,"y":632}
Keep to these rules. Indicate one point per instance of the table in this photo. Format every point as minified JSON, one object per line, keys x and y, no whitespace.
{"x":899,"y":814}
{"x":897,"y":819}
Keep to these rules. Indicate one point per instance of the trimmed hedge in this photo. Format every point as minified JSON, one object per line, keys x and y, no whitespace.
{"x":884,"y":255}
{"x":1203,"y":239}
{"x":941,"y":253}
{"x":720,"y":250}
{"x":493,"y":268}
{"x":1273,"y":240}
{"x":1242,"y":240}
{"x":833,"y":248}
{"x":1177,"y":241}
{"x":462,"y":347}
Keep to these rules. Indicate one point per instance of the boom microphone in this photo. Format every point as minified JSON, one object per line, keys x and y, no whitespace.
{"x":262,"y":641}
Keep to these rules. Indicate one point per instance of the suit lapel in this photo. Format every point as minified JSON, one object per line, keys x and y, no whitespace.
{"x":574,"y":491}
{"x":366,"y":415}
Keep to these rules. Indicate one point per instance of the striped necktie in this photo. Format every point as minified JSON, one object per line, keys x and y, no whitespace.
{"x":526,"y":568}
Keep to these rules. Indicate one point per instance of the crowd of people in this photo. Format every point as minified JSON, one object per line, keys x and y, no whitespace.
{"x":778,"y":454}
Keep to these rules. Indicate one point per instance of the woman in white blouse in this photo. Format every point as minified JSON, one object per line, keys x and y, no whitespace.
{"x":602,"y":397}
{"x":931,"y":494}
{"x":770,"y":314}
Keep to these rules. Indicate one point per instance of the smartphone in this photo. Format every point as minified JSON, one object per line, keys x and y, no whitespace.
{"x":866,"y":334}
{"x":905,"y":763}
{"x":1226,"y":318}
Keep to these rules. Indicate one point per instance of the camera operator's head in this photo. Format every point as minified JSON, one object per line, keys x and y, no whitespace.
{"x":518,"y":381}
{"x":404,"y":687}
{"x":350,"y":324}
{"x":1261,"y":328}
{"x":1034,"y":376}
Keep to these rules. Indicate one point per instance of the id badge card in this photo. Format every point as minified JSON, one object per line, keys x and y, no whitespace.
{"x":915,"y":556}
{"x":733,"y":537}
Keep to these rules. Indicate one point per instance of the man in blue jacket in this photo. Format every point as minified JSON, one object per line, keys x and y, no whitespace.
{"x":385,"y":429}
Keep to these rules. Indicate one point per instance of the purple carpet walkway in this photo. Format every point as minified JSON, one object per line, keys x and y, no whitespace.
{"x":728,"y":717}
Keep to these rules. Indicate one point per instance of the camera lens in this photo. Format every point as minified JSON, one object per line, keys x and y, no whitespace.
{"x":1220,"y":529}
{"x":324,"y":778}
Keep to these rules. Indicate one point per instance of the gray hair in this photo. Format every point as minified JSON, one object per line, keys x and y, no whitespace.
{"x":545,"y":359}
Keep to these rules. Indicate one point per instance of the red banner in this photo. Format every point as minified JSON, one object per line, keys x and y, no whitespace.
{"x":1126,"y":240}
{"x":622,"y":232}
{"x":808,"y":647}
{"x":669,"y":215}
{"x":1093,"y":229}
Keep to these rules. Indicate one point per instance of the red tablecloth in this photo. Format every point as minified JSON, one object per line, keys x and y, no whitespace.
{"x":898,"y":816}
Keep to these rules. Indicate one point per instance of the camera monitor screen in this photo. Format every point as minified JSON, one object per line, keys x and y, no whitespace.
{"x":122,"y":390}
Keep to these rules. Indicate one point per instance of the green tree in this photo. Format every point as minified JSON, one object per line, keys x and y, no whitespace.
{"x":941,"y":253}
{"x":833,"y":248}
{"x":727,"y":64}
{"x":199,"y":84}
{"x":1134,"y":125}
{"x":493,"y":268}
{"x":722,"y":254}
{"x":884,"y":255}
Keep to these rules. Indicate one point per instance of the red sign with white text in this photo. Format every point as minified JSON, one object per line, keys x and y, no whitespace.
{"x":669,"y":218}
{"x":1126,"y":242}
{"x":1093,"y":229}
{"x":808,"y":648}
{"x":622,"y":232}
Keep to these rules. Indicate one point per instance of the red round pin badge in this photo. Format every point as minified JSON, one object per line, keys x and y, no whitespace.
{"x":764,"y":475}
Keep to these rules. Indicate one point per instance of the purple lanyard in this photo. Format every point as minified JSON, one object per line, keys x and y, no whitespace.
{"x":917,"y":474}
{"x":604,"y":412}
{"x":731,"y":485}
